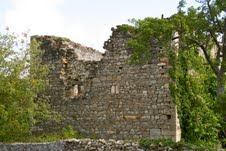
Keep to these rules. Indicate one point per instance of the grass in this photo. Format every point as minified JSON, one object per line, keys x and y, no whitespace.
{"x":66,"y":133}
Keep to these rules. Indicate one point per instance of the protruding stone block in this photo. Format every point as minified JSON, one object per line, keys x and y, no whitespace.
{"x":131,"y":117}
{"x":113,"y":89}
{"x":74,"y":91}
{"x":164,"y":60}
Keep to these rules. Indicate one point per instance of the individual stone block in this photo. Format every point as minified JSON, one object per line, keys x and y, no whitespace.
{"x":161,"y":64}
{"x":113,"y":89}
{"x":155,"y":132}
{"x":164,"y":60}
{"x":74,"y":91}
{"x":131,"y":117}
{"x":167,"y":132}
{"x":145,"y":92}
{"x":117,"y":89}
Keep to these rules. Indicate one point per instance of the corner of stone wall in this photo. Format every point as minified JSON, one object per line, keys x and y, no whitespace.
{"x":163,"y":62}
{"x":178,"y":129}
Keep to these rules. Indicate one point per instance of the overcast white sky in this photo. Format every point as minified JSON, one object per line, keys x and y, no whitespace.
{"x":84,"y":21}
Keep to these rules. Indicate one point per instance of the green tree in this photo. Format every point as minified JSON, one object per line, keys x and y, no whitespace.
{"x":193,"y":91}
{"x":200,"y":32}
{"x":21,"y":79}
{"x":205,"y":27}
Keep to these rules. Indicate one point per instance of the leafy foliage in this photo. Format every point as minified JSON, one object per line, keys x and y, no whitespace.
{"x":198,"y":146}
{"x":193,"y":93}
{"x":66,"y":133}
{"x":21,"y":79}
{"x":144,"y":32}
{"x":198,"y":74}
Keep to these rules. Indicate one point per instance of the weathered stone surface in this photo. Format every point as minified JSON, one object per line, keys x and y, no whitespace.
{"x":103,"y":95}
{"x":84,"y":145}
{"x":155,"y":132}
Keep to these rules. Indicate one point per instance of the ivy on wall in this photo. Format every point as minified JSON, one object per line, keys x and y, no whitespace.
{"x":193,"y":86}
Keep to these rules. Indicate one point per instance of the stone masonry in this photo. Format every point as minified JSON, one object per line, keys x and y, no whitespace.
{"x":103,"y":96}
{"x":87,"y":145}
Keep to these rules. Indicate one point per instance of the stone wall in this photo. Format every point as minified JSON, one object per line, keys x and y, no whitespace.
{"x":106,"y":97}
{"x":85,"y":145}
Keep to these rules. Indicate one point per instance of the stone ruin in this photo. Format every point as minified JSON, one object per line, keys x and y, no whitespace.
{"x":103,"y":96}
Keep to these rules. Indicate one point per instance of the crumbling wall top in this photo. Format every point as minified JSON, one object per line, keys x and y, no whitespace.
{"x":58,"y":44}
{"x":117,"y":33}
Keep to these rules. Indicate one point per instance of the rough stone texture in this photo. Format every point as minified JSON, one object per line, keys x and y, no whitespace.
{"x":105,"y":97}
{"x":84,"y":145}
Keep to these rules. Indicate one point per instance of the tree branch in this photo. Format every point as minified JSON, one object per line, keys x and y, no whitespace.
{"x":174,"y":38}
{"x":213,"y":67}
{"x":217,"y":44}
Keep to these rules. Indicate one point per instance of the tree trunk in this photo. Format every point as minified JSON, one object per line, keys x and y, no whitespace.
{"x":220,"y":85}
{"x":221,"y":74}
{"x":221,"y":77}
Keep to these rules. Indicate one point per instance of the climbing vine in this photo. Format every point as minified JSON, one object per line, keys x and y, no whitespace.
{"x":193,"y":90}
{"x":193,"y":85}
